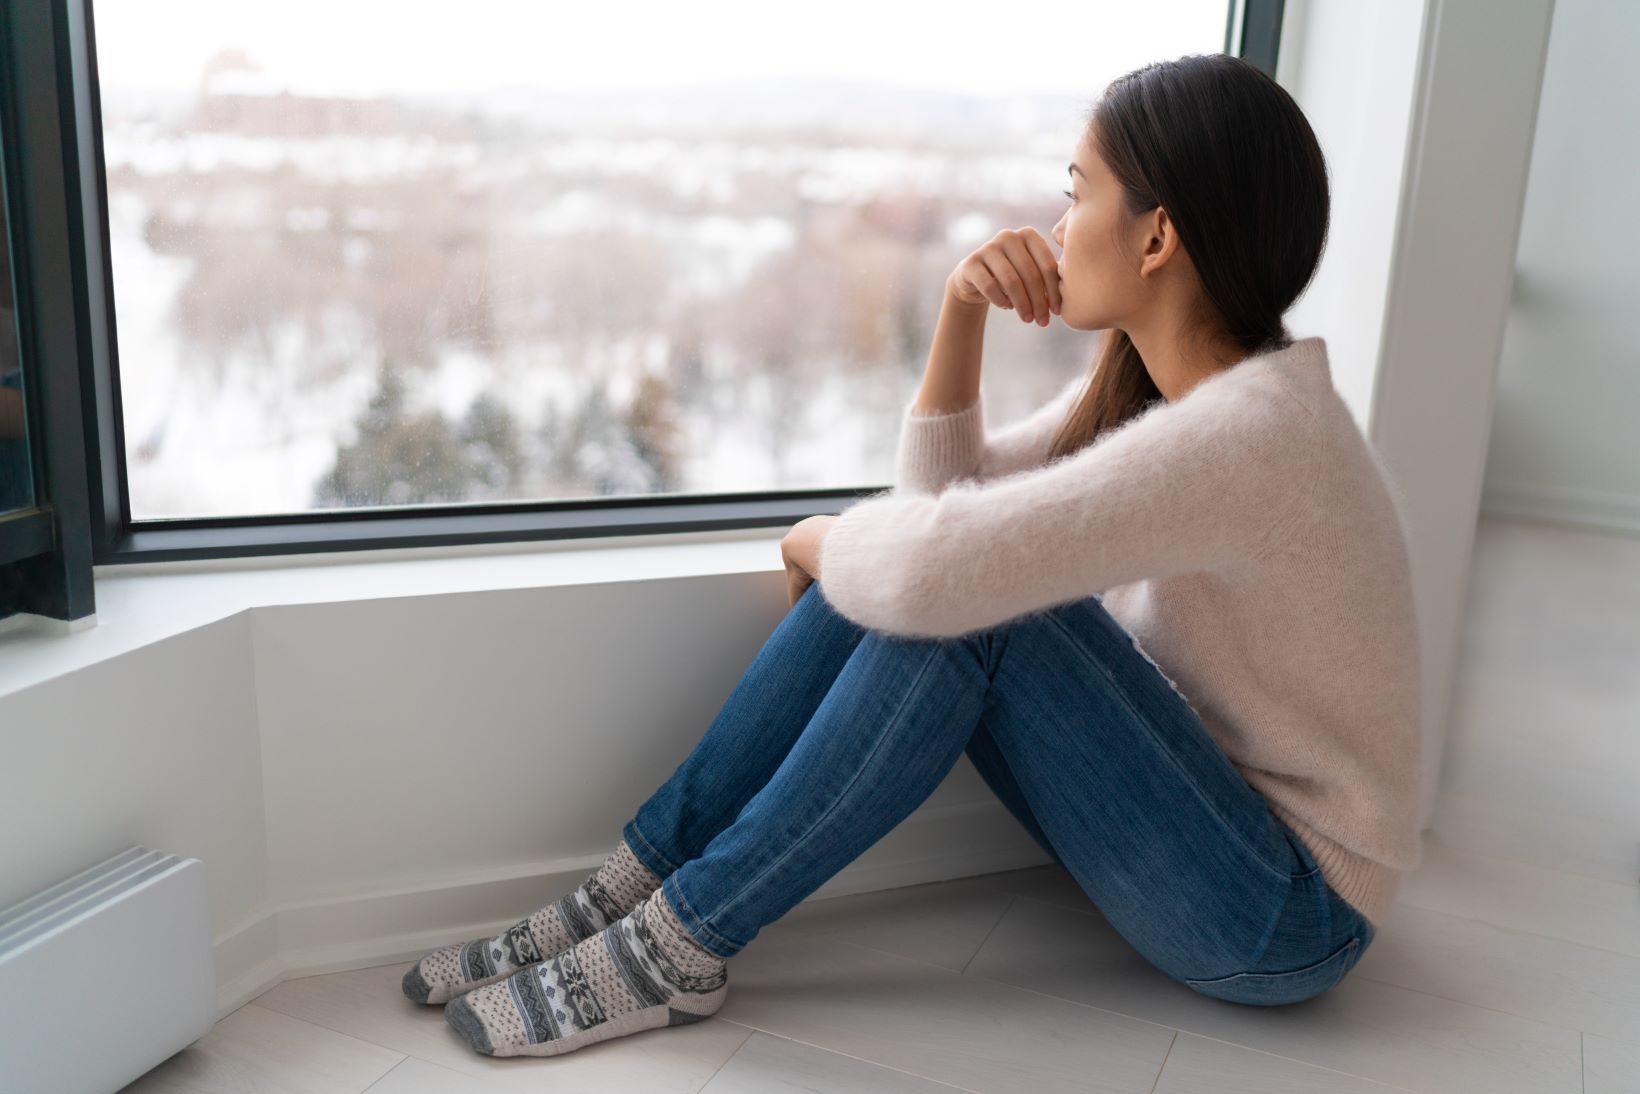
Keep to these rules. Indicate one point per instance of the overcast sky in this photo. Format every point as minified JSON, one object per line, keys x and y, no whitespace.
{"x":375,"y":46}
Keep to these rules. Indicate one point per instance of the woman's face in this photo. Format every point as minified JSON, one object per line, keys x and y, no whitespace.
{"x":1099,"y":284}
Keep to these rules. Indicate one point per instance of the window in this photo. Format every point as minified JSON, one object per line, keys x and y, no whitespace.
{"x":538,"y":272}
{"x":45,"y":525}
{"x":16,"y":469}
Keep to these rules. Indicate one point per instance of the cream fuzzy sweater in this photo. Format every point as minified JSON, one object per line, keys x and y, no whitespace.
{"x":1246,"y":535}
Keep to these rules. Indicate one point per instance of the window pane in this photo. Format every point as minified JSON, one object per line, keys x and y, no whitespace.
{"x":16,"y":474}
{"x":520,"y":251}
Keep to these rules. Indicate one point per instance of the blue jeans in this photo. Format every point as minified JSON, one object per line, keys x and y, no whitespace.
{"x":836,"y":733}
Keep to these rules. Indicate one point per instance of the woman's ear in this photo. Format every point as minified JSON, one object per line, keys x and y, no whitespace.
{"x":1161,"y":240}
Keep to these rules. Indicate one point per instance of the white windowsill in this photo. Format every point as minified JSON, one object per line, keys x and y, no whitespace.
{"x":142,"y":603}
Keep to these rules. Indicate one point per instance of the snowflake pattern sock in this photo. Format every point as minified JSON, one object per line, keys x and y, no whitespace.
{"x":641,"y":972}
{"x":611,"y":891}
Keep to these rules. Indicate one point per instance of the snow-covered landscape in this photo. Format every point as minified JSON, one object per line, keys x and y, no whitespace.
{"x":329,"y":299}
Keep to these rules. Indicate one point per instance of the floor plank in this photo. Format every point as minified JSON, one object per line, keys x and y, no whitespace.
{"x":929,"y":1021}
{"x":369,"y":1004}
{"x":1199,"y":1065}
{"x":257,"y":1049}
{"x":1361,"y":1027}
{"x":767,"y":1064}
{"x":1610,"y":1066}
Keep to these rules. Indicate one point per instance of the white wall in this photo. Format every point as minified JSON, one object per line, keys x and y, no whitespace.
{"x":1352,"y":68}
{"x":367,"y":780}
{"x":1568,"y":399}
{"x":160,"y":747}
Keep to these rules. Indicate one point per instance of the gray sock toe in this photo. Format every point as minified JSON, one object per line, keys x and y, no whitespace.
{"x":414,"y":986}
{"x":466,"y":1023}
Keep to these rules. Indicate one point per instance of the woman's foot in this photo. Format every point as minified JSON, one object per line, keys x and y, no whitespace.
{"x":609,"y":893}
{"x":641,"y":972}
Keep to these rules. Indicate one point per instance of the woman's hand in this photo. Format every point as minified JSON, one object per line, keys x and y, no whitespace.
{"x":800,"y":550}
{"x":1016,"y":269}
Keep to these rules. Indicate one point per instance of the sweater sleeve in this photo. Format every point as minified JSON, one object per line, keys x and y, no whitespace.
{"x":1192,"y":485}
{"x":936,"y":450}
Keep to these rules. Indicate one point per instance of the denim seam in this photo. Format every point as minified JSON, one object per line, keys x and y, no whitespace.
{"x":650,"y":847}
{"x":1299,"y":848}
{"x":842,"y":793}
{"x":1270,"y":931}
{"x":695,"y":922}
{"x":1234,"y":831}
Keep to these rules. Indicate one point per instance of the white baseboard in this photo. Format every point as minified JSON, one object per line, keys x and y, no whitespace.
{"x":1596,"y":510}
{"x":937,"y":843}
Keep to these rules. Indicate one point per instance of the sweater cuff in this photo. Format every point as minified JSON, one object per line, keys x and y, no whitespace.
{"x":852,"y":575}
{"x":936,"y":449}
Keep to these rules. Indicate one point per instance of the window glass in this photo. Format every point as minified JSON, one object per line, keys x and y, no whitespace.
{"x":520,"y":251}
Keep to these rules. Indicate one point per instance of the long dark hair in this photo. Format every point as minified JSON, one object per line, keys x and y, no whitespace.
{"x":1231,"y":157}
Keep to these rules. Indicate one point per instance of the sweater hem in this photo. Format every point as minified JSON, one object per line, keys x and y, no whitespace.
{"x":1368,"y":886}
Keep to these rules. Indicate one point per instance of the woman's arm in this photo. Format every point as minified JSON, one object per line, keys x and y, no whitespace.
{"x":937,"y":450}
{"x":1183,"y":487}
{"x":942,"y":433}
{"x":1024,"y":444}
{"x":950,"y":382}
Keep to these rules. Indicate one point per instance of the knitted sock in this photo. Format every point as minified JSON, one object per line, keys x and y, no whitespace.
{"x":642,"y":972}
{"x":611,"y":891}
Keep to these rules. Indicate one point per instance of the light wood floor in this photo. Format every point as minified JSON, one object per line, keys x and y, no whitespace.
{"x":1511,"y":963}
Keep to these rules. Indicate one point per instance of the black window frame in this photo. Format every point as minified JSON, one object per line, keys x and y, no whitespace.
{"x":56,"y":187}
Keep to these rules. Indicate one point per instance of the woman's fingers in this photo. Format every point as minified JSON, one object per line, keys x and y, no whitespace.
{"x":1048,"y":264}
{"x":797,"y":583}
{"x":1002,"y":269}
{"x":980,"y":275}
{"x":1015,"y":270}
{"x":1035,"y":305}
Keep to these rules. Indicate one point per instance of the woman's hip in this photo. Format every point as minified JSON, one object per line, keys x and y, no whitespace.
{"x":1146,"y":811}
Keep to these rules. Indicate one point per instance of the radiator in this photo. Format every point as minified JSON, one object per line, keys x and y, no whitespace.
{"x":105,"y":975}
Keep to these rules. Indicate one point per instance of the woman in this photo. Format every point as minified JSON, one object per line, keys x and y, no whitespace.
{"x":1168,"y":617}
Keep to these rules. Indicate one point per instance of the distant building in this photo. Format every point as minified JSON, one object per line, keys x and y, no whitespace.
{"x":253,"y":103}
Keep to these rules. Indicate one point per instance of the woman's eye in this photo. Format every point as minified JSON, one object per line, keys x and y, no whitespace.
{"x":1068,"y":194}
